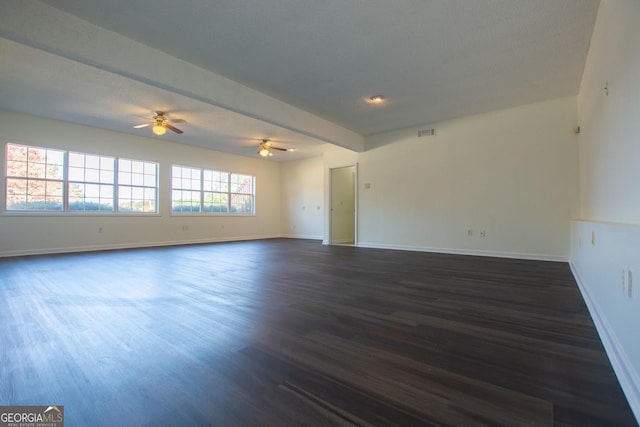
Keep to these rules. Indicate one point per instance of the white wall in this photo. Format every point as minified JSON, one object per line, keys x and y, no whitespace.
{"x":306,"y":187}
{"x":512,"y":173}
{"x":610,"y":188}
{"x":303,"y":198}
{"x":609,"y":147}
{"x":27,"y":234}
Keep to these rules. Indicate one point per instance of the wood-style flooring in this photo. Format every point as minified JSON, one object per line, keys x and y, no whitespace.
{"x":293,"y":333}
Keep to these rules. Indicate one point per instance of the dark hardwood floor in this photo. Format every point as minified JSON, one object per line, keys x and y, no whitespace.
{"x":293,"y":333}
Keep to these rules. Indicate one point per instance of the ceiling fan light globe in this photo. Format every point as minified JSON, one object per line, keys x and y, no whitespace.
{"x":159,"y":130}
{"x":264,"y":152}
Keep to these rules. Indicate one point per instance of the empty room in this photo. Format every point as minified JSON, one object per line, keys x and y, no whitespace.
{"x":299,"y":213}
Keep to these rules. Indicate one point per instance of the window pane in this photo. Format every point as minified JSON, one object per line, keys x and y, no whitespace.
{"x":16,"y":153}
{"x":34,"y":178}
{"x":216,"y":181}
{"x":185,"y":185}
{"x":37,"y":170}
{"x":149,"y":180}
{"x":137,"y":189}
{"x":241,"y":203}
{"x":92,"y":162}
{"x":36,"y":155}
{"x":55,"y":157}
{"x":216,"y":202}
{"x":124,"y":165}
{"x":90,"y":197}
{"x":241,"y":184}
{"x":17,"y":168}
{"x":16,"y":194}
{"x":124,"y":192}
{"x":106,"y":176}
{"x":137,"y":167}
{"x":76,"y":160}
{"x":92,"y":175}
{"x":86,"y":173}
{"x":124,"y":178}
{"x":137,"y":193}
{"x":149,"y":193}
{"x":137,"y":179}
{"x":76,"y":174}
{"x":107,"y":163}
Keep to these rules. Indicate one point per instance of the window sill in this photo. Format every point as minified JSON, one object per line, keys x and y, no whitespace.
{"x":77,"y":214}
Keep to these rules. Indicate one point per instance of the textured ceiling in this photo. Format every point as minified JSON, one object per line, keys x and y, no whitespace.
{"x":433,"y":59}
{"x":47,"y":85}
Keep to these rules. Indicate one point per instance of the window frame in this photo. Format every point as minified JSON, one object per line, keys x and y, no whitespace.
{"x":60,"y":181}
{"x":203,"y":211}
{"x":182,"y":188}
{"x":66,"y":185}
{"x":144,"y":187}
{"x":70,"y":181}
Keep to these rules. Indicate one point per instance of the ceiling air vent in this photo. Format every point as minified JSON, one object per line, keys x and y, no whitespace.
{"x":426,"y":132}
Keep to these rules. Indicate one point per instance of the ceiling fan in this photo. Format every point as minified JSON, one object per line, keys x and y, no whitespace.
{"x":161,"y":123}
{"x":266,"y":148}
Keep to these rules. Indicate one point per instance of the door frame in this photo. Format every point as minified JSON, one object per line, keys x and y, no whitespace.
{"x":355,"y":202}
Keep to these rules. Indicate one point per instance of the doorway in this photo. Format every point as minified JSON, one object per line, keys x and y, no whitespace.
{"x":342,"y":222}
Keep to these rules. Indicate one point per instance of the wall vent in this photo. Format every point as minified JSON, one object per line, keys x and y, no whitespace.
{"x":426,"y":132}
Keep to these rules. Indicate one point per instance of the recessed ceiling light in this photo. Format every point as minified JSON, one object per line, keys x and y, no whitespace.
{"x":376,"y":99}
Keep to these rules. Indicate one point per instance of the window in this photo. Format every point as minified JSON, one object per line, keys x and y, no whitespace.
{"x":48,"y":180}
{"x":241,"y":193}
{"x":137,"y":186}
{"x":35,"y":178}
{"x":185,"y":189}
{"x":216,"y":191}
{"x":207,"y":191}
{"x":91,"y":182}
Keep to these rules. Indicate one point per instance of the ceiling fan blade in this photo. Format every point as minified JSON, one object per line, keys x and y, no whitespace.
{"x":141,"y":126}
{"x":177,"y":120}
{"x":271,"y":147}
{"x":175,"y":129}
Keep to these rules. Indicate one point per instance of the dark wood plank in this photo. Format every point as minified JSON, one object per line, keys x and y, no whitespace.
{"x":291,"y":332}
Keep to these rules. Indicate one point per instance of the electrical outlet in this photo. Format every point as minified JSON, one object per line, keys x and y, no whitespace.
{"x":624,"y":281}
{"x":630,"y":283}
{"x":593,"y":238}
{"x":470,"y":232}
{"x":99,"y":229}
{"x":483,"y":233}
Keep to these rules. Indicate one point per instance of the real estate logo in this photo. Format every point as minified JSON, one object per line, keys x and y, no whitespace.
{"x":32,"y":416}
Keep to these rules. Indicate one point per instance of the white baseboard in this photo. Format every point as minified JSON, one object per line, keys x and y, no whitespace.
{"x":343,"y":242}
{"x":93,"y":248}
{"x":624,"y":370}
{"x":495,"y":254}
{"x":301,"y":236}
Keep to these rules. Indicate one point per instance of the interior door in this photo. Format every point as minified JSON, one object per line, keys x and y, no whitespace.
{"x":343,"y":206}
